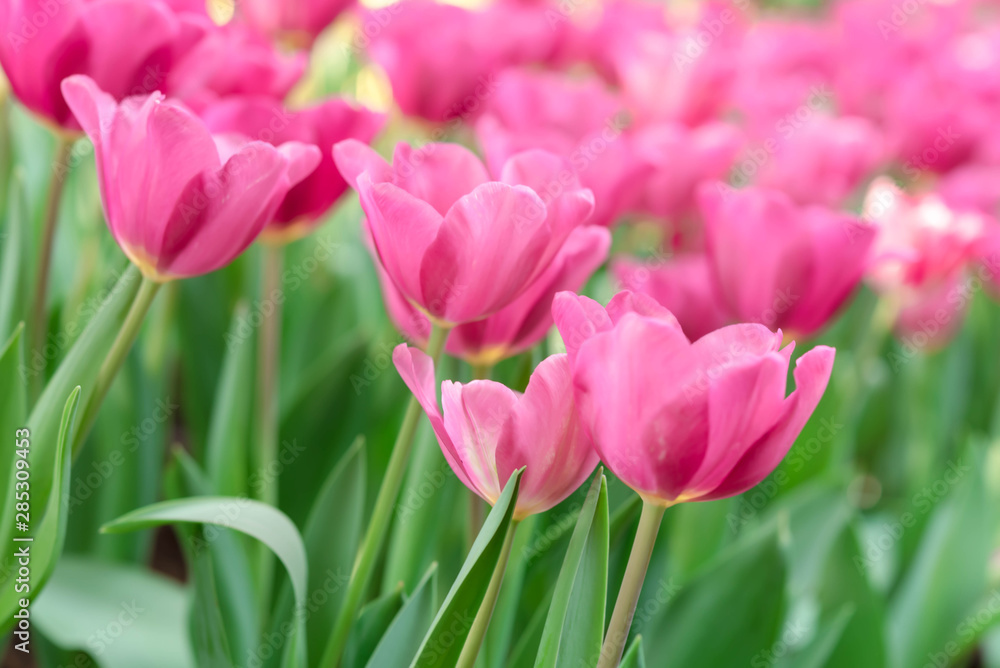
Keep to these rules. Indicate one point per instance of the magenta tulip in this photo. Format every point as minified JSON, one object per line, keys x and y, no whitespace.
{"x":234,"y":60}
{"x":683,"y":285}
{"x":321,"y":125}
{"x":296,"y":23}
{"x":487,"y":431}
{"x":179,"y":201}
{"x":522,"y":323}
{"x":779,"y":264}
{"x":127,"y":46}
{"x":456,"y":244}
{"x":678,"y":421}
{"x":578,"y":119}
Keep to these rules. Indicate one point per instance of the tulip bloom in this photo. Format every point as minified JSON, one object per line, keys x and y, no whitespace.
{"x":179,"y":201}
{"x":718,"y":427}
{"x":457,"y":245}
{"x":779,"y":264}
{"x":684,"y":285}
{"x":578,"y":119}
{"x":921,"y":256}
{"x":127,"y":46}
{"x":487,"y":431}
{"x":321,"y":125}
{"x":824,"y":161}
{"x":234,"y":60}
{"x":522,"y":323}
{"x":294,"y":22}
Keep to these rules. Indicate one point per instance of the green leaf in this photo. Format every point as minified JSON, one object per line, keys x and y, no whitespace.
{"x":817,"y":653}
{"x":225,"y":616}
{"x":634,"y":658}
{"x":373,"y":620}
{"x":948,"y":574}
{"x":443,"y":643}
{"x":15,"y":249}
{"x":331,"y":537}
{"x":48,"y":534}
{"x":122,"y":615}
{"x":259,"y":520}
{"x":401,"y":640}
{"x":745,"y":587}
{"x":227,"y":445}
{"x":574,"y":627}
{"x":13,"y":412}
{"x":79,"y":368}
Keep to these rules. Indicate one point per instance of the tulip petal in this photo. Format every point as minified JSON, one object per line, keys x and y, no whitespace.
{"x":641,"y":304}
{"x":812,"y":373}
{"x":544,"y":434}
{"x":402,"y":229}
{"x":578,"y":318}
{"x":354,"y":157}
{"x":416,"y":369}
{"x":437,"y":173}
{"x":487,"y":251}
{"x":743,"y":404}
{"x":474,"y":415}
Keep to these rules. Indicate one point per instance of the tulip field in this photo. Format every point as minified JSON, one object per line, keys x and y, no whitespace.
{"x":500,"y":333}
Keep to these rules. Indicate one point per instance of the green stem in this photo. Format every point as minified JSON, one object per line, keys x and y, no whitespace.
{"x":470,"y":650}
{"x":364,"y":562}
{"x":268,"y":435}
{"x":39,"y":319}
{"x":268,"y":360}
{"x":116,"y":356}
{"x":628,"y":595}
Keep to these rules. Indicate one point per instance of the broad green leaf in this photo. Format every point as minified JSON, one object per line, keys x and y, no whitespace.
{"x":745,"y":587}
{"x":634,"y":658}
{"x":373,"y":620}
{"x":331,"y":537}
{"x":816,"y":654}
{"x":15,"y":249}
{"x":261,"y":521}
{"x":48,"y":531}
{"x":13,"y":412}
{"x":948,"y":574}
{"x":123,"y":616}
{"x":444,"y":641}
{"x":861,"y":643}
{"x":227,"y":445}
{"x":401,"y":640}
{"x":225,"y":615}
{"x":79,"y":368}
{"x":574,"y":627}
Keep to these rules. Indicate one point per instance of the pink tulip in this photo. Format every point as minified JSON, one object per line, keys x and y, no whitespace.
{"x":446,"y":74}
{"x":321,"y":125}
{"x":521,"y":324}
{"x":233,"y":60}
{"x":684,"y":286}
{"x":679,"y":421}
{"x":678,"y":159}
{"x":127,"y":46}
{"x":578,"y":119}
{"x":487,"y":431}
{"x":824,"y":160}
{"x":972,"y":187}
{"x":779,"y":264}
{"x":922,"y":255}
{"x":178,"y":201}
{"x":457,"y":245}
{"x":296,"y":23}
